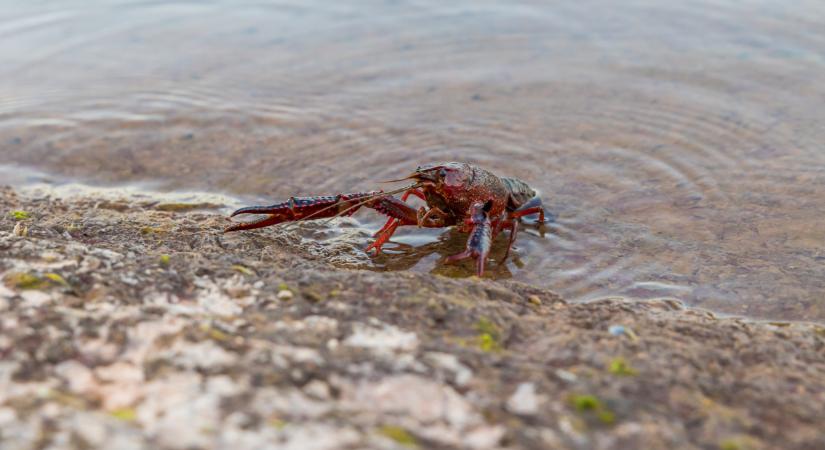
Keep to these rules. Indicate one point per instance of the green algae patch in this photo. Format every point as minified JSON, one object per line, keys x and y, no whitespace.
{"x":606,"y":417}
{"x":152,"y":230}
{"x":56,"y":279}
{"x":590,"y":405}
{"x":124,"y":414}
{"x":619,"y":367}
{"x":399,"y":435}
{"x":489,"y":337}
{"x":312,"y":295}
{"x":22,"y":280}
{"x":215,"y":333}
{"x":20,"y":215}
{"x":27,"y":281}
{"x":585,"y":402}
{"x":164,"y":260}
{"x":488,"y":343}
{"x":277,"y":423}
{"x":244,"y":270}
{"x":738,"y":443}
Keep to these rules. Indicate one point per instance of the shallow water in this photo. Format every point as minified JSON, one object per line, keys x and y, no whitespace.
{"x":679,"y":144}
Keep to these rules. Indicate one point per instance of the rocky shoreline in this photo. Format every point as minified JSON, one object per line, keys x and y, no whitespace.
{"x":132,"y":324}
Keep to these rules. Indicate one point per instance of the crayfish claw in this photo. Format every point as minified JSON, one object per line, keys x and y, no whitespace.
{"x":478,"y":245}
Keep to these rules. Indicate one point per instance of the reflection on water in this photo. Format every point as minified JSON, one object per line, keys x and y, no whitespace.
{"x":680,"y":144}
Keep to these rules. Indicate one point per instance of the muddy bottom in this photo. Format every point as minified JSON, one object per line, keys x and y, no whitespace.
{"x":129,"y":323}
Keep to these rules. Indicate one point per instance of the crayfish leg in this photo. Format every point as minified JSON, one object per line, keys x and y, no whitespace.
{"x":383,"y":236}
{"x":532,"y":206}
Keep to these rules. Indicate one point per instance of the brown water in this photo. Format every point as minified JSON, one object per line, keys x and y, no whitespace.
{"x":680,"y":145}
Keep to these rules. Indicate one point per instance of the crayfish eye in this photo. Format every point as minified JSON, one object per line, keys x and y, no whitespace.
{"x":442,"y":173}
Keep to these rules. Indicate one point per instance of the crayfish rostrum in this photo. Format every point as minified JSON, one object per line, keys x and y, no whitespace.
{"x":457,"y":194}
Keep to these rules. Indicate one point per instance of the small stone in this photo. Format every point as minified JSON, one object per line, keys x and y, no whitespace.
{"x":90,"y":263}
{"x":35,"y":299}
{"x":20,"y":229}
{"x":619,"y":330}
{"x":120,"y":372}
{"x":381,"y":337}
{"x":446,"y":361}
{"x":285,"y":295}
{"x":318,"y":389}
{"x":524,"y":400}
{"x":486,"y":437}
{"x":236,"y":289}
{"x":214,"y":301}
{"x":567,"y":376}
{"x":534,"y":299}
{"x":78,"y":377}
{"x":5,"y":292}
{"x":204,"y":355}
{"x":7,"y":417}
{"x":49,"y":256}
{"x":616,"y":330}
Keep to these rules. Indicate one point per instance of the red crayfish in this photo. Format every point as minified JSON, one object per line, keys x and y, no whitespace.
{"x":457,"y":194}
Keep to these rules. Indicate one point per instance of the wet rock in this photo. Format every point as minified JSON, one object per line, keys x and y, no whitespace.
{"x":129,"y":353}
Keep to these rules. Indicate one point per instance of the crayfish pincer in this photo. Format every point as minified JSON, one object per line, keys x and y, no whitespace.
{"x":456,"y":194}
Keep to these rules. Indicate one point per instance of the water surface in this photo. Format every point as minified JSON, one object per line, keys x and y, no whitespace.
{"x":680,"y":145}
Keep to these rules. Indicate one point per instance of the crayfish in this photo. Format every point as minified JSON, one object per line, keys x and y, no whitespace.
{"x":457,"y":194}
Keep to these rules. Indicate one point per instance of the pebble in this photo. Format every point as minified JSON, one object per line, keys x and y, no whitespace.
{"x":79,"y":377}
{"x":35,"y":299}
{"x":618,"y":330}
{"x":20,"y":230}
{"x":461,"y":373}
{"x":567,"y":376}
{"x":524,"y":400}
{"x":285,"y":294}
{"x":381,"y":337}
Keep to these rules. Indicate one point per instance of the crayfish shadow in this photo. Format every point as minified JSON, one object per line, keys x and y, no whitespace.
{"x":399,"y":256}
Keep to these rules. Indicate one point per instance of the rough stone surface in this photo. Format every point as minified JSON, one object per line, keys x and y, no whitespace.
{"x":143,"y":329}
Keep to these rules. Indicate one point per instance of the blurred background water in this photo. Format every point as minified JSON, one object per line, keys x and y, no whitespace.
{"x":680,"y":145}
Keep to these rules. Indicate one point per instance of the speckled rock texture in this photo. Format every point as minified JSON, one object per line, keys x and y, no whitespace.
{"x":128,"y":326}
